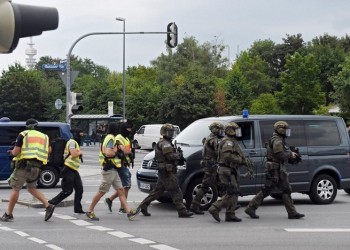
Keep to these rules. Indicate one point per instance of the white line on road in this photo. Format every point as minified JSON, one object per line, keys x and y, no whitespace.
{"x":317,"y":230}
{"x":54,"y":247}
{"x":121,"y":234}
{"x":23,"y":234}
{"x":81,"y":223}
{"x":163,"y":247}
{"x":37,"y":240}
{"x":100,"y":228}
{"x":6,"y":229}
{"x":142,"y":241}
{"x":65,"y":217}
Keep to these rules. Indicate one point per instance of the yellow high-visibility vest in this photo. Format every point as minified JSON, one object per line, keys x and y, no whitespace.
{"x":71,"y":162}
{"x":103,"y":148}
{"x":35,"y":146}
{"x":125,"y":142}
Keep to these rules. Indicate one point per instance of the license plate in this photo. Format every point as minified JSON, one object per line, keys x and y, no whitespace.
{"x":145,"y":186}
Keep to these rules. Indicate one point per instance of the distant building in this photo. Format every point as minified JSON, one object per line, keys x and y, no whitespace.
{"x":335,"y":110}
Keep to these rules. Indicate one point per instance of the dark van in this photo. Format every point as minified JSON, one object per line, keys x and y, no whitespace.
{"x":9,"y":130}
{"x":323,"y":142}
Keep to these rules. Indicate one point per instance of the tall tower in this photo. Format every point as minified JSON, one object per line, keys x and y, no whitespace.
{"x":30,"y":52}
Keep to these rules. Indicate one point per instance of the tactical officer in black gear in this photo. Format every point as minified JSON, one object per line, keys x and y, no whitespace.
{"x":230,"y":157}
{"x":276,"y":172}
{"x":209,"y":164}
{"x":168,"y":157}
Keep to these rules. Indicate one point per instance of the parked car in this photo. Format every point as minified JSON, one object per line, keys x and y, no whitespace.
{"x":147,"y":136}
{"x":323,"y":142}
{"x":9,"y":130}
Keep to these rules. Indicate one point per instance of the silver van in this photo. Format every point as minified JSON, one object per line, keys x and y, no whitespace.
{"x":323,"y":142}
{"x":147,"y":136}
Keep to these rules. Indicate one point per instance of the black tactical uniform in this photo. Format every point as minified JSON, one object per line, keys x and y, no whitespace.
{"x":168,"y":158}
{"x":276,"y":173}
{"x":209,"y":164}
{"x":230,"y":158}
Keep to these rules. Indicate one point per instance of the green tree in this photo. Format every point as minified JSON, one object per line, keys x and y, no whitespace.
{"x":341,"y":83}
{"x":265,"y":104}
{"x":301,"y":89}
{"x":20,"y":94}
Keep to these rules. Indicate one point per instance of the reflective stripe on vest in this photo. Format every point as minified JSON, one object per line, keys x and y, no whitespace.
{"x":101,"y":157}
{"x":71,"y":162}
{"x":35,"y":146}
{"x":127,"y":146}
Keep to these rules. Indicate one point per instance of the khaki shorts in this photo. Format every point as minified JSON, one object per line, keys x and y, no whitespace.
{"x":21,"y":176}
{"x":110,"y":178}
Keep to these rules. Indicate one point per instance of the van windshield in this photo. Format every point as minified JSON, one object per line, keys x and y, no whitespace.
{"x":194,"y":133}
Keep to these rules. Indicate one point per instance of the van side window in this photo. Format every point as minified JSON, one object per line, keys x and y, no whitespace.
{"x":247,"y":140}
{"x":141,"y":131}
{"x":297,"y":137}
{"x":322,"y":133}
{"x":51,"y":132}
{"x":9,"y":135}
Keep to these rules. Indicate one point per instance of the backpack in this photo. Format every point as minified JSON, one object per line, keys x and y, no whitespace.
{"x":56,"y":157}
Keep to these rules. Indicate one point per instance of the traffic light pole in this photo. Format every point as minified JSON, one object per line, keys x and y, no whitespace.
{"x":68,"y":86}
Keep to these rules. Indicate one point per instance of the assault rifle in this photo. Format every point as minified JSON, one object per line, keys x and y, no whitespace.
{"x":182,"y":159}
{"x":297,"y":159}
{"x":134,"y":146}
{"x":121,"y":155}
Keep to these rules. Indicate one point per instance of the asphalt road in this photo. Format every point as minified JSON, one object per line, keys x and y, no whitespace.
{"x":324,"y":227}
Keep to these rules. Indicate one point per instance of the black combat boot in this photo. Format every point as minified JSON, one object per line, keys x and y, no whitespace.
{"x":295,"y":216}
{"x":251,"y":212}
{"x":215,"y":213}
{"x":232,"y":218}
{"x":145,"y":212}
{"x":185,"y":214}
{"x":196,"y":210}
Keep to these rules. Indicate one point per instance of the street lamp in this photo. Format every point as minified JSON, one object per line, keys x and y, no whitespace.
{"x":123,"y":20}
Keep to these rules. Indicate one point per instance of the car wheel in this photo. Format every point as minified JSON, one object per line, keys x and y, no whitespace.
{"x":323,"y":189}
{"x":347,"y":190}
{"x":48,"y":177}
{"x":207,"y":199}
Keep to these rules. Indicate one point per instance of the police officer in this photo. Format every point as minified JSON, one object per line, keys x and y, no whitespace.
{"x":209,"y":163}
{"x":230,"y":156}
{"x":70,"y":176}
{"x":168,"y":157}
{"x":276,"y":172}
{"x":31,"y":152}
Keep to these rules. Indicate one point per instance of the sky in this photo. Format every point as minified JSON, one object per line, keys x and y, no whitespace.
{"x":235,"y":23}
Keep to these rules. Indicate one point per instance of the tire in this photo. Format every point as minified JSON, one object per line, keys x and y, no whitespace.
{"x":323,"y":189}
{"x":347,"y":190}
{"x":48,"y":177}
{"x":208,"y":198}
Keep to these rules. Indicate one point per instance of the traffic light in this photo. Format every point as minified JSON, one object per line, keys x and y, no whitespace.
{"x":19,"y":20}
{"x":172,"y":37}
{"x":76,"y":101}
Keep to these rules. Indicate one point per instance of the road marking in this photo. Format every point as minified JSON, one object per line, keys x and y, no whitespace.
{"x":163,"y":247}
{"x":121,"y":234}
{"x":65,"y":217}
{"x":142,"y":241}
{"x":81,"y":223}
{"x":23,"y":234}
{"x":6,"y":229}
{"x":36,"y":240}
{"x":54,"y":247}
{"x":317,"y":230}
{"x":100,"y":228}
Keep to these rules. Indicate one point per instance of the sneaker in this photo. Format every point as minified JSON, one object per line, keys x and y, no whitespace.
{"x":133,"y":213}
{"x":49,"y":211}
{"x":122,"y":211}
{"x":7,"y":217}
{"x":91,"y":216}
{"x":109,"y":203}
